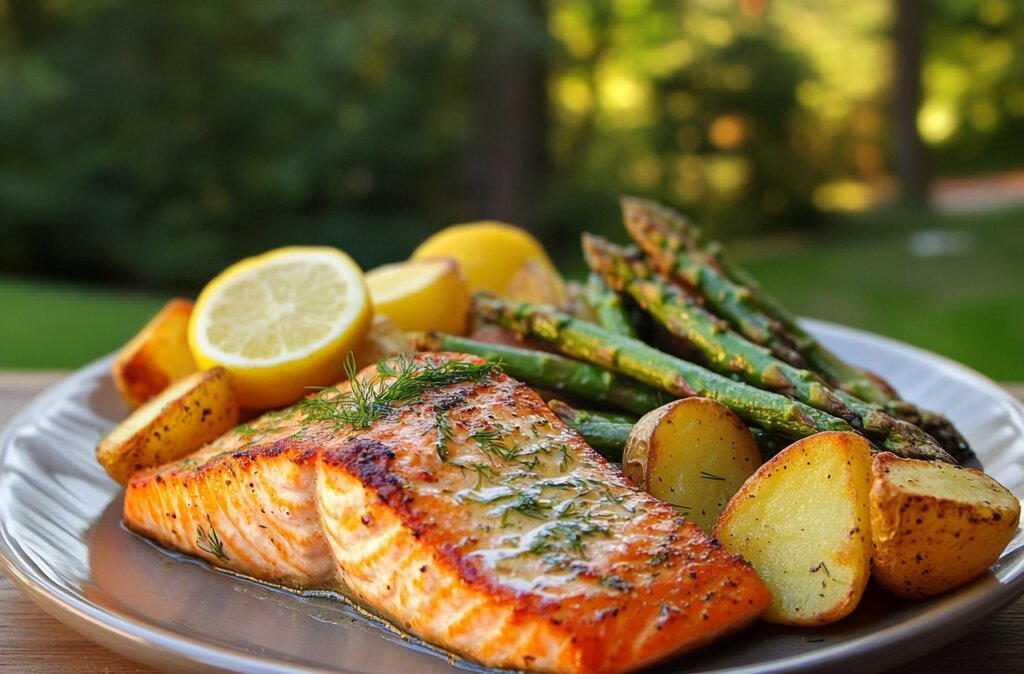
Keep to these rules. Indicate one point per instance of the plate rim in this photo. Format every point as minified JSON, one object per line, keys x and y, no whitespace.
{"x":151,"y":644}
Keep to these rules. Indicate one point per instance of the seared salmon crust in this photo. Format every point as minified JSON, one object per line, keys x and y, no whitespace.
{"x":469,"y":515}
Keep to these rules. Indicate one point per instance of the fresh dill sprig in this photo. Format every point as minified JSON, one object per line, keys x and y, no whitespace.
{"x":401,"y":379}
{"x":711,"y":476}
{"x":445,"y":435}
{"x":208,"y":541}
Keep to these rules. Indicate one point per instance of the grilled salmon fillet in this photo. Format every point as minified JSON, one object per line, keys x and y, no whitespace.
{"x":448,"y":498}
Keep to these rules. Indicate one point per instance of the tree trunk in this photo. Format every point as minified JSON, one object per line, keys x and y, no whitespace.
{"x":909,"y":154}
{"x":507,"y":159}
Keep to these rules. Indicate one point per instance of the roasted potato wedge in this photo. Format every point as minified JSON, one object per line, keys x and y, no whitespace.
{"x":935,"y":526}
{"x":693,"y":453}
{"x":157,"y":356}
{"x":802,"y":521}
{"x":181,"y":419}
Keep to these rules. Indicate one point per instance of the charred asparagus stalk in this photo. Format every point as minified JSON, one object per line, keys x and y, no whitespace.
{"x":725,"y":351}
{"x":607,"y":306}
{"x":680,"y":249}
{"x":770,"y":411}
{"x":729,"y":352}
{"x":555,"y":373}
{"x":667,"y":249}
{"x":605,"y":433}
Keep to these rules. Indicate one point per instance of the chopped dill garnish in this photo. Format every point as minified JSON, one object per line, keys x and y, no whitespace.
{"x":658,"y":558}
{"x":483,"y":472}
{"x":208,"y":541}
{"x":245,"y":430}
{"x":488,"y":442}
{"x":682,"y":509}
{"x":711,"y":476}
{"x":528,"y":504}
{"x":614,"y":582}
{"x":400,"y":379}
{"x":821,"y":567}
{"x":444,"y":434}
{"x":558,"y":537}
{"x":563,"y":457}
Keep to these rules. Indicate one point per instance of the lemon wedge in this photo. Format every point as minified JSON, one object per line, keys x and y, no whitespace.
{"x":423,"y":295}
{"x":281,"y":322}
{"x":490,"y":254}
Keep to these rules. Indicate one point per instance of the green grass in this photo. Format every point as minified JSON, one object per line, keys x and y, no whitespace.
{"x":57,"y":325}
{"x":968,"y":307}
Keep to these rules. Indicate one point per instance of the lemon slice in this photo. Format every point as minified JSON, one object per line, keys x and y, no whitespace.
{"x":281,"y":322}
{"x":421,"y":294}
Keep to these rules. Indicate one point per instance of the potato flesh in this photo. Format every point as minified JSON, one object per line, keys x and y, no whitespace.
{"x":802,"y":521}
{"x":383,"y":340}
{"x":536,"y":282}
{"x":157,"y":356}
{"x":693,"y":453}
{"x":935,"y":526}
{"x":181,"y":419}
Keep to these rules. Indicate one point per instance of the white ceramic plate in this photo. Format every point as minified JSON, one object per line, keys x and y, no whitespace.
{"x":62,"y":542}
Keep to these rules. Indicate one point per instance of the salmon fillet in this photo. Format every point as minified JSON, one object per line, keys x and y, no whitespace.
{"x":465,"y":513}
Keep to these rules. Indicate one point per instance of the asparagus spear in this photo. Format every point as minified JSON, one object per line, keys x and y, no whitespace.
{"x":554,"y":372}
{"x":725,"y":351}
{"x":605,"y":433}
{"x":735,"y":303}
{"x":607,"y":306}
{"x":680,"y":249}
{"x":728,"y":352}
{"x":631,"y":357}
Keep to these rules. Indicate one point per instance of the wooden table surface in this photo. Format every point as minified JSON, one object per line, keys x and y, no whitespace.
{"x":31,"y":642}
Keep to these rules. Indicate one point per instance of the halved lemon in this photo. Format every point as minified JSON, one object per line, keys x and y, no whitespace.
{"x":490,"y":254}
{"x":281,"y":322}
{"x":421,"y":294}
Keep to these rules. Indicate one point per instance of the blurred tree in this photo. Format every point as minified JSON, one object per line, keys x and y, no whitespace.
{"x":159,"y":142}
{"x":909,"y":155}
{"x":506,"y":160}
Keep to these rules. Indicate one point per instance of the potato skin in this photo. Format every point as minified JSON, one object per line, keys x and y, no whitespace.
{"x":693,"y":453}
{"x":181,"y":419}
{"x":935,"y":526}
{"x":155,"y":357}
{"x":802,"y":521}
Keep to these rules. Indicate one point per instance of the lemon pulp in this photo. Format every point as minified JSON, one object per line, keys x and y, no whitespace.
{"x":281,"y":322}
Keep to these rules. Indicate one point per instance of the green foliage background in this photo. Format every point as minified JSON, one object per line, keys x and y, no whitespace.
{"x":156,"y":142}
{"x":147,"y":145}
